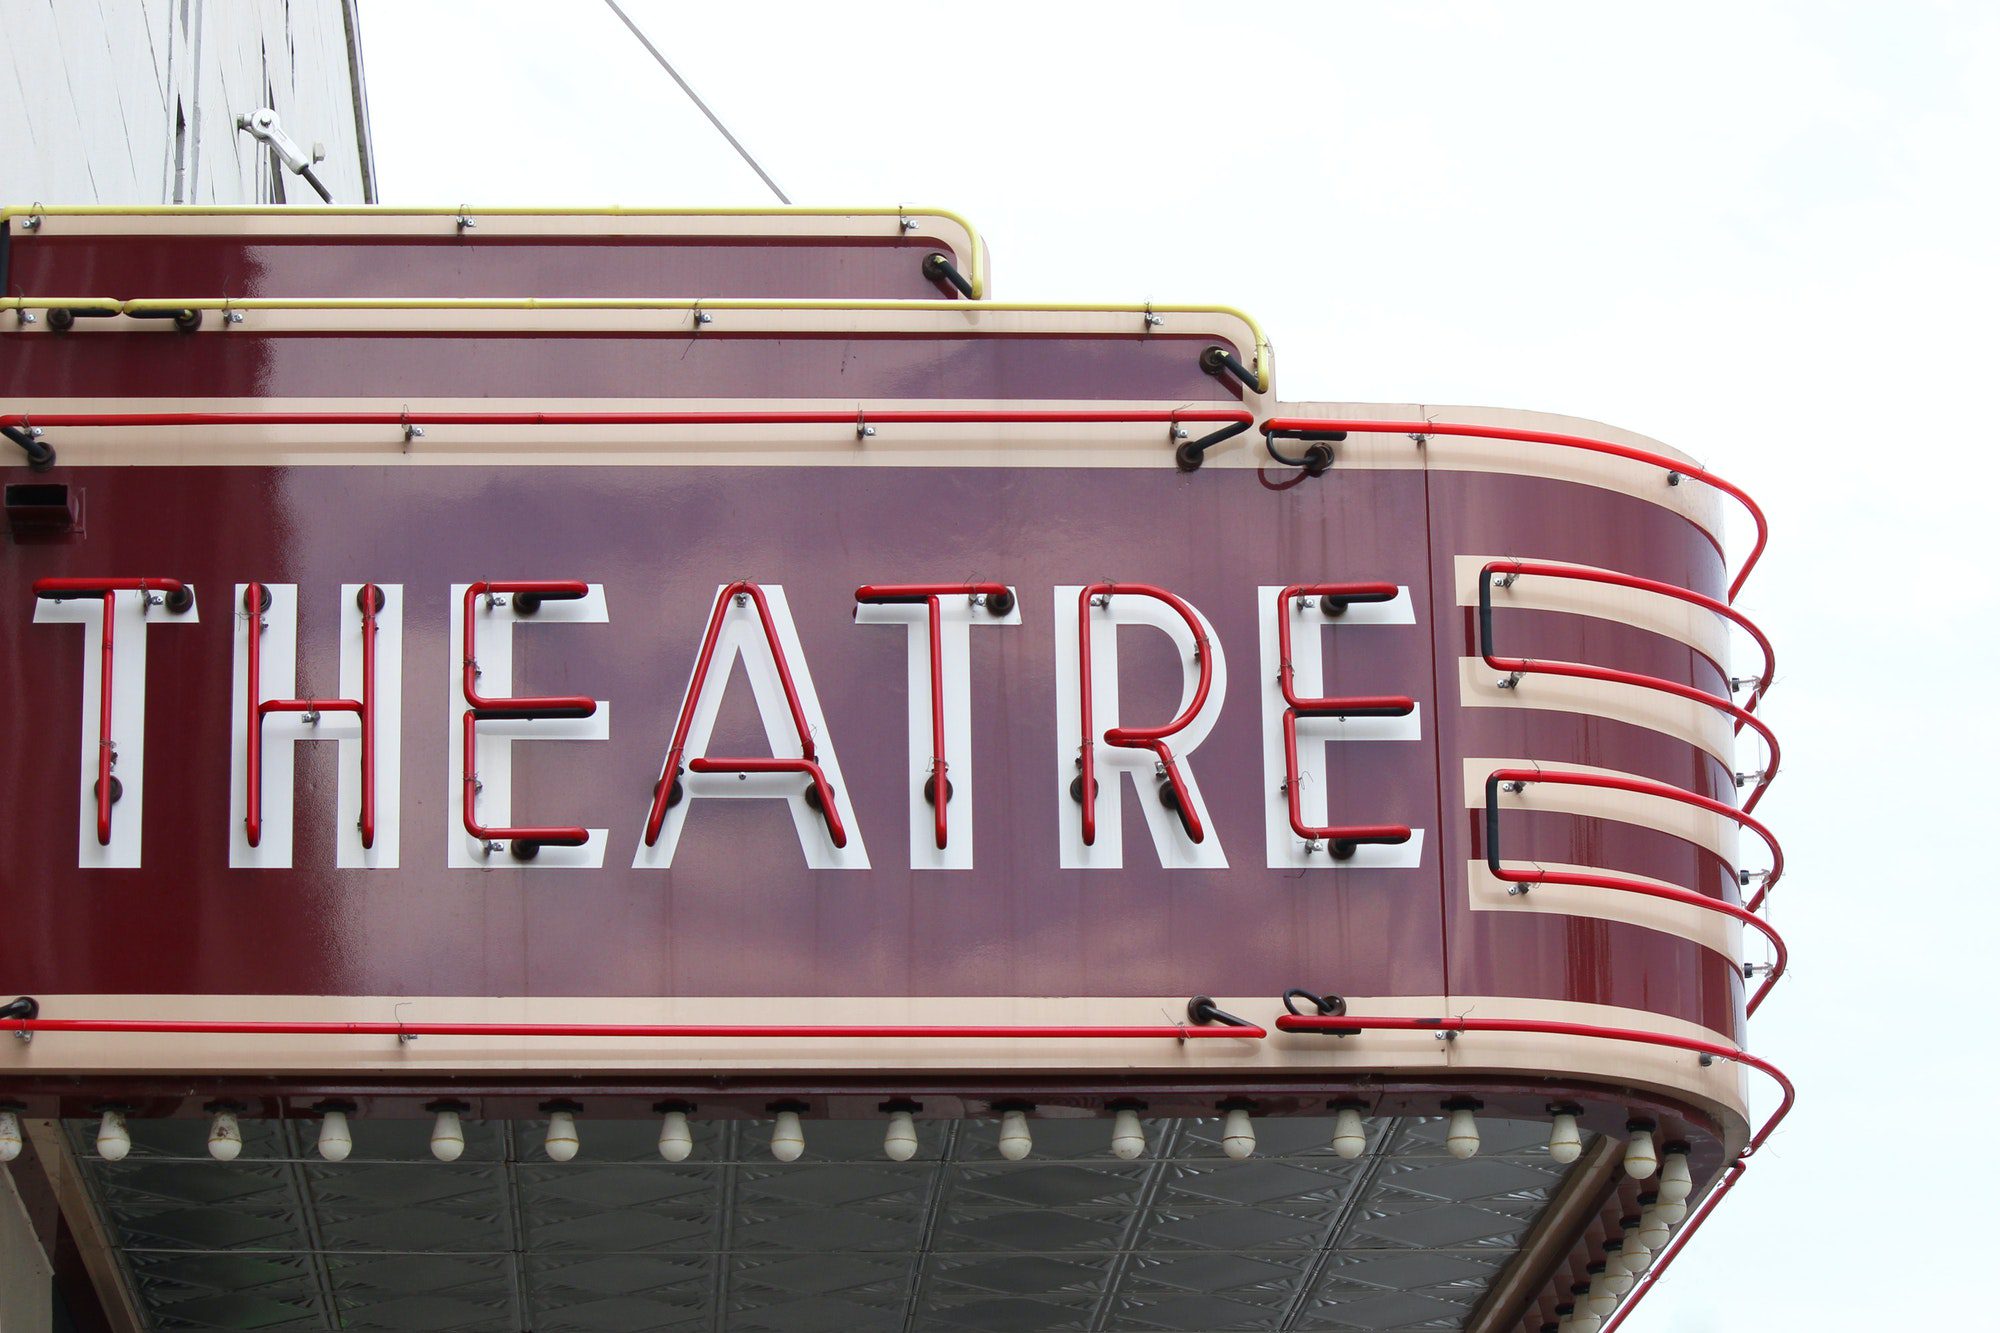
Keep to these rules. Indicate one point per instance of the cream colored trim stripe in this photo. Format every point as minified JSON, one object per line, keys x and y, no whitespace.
{"x":1697,"y":627}
{"x":1686,"y":822}
{"x":1685,"y":720}
{"x":1720,"y":1087}
{"x":1711,"y":930}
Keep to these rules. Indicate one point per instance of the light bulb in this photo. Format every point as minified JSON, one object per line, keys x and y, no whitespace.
{"x":1015,"y":1140}
{"x":899,"y":1144}
{"x":788,"y":1137}
{"x":1585,"y":1321}
{"x":1461,"y":1137}
{"x":561,"y":1143}
{"x":676,"y":1139}
{"x":1565,"y":1143}
{"x":1617,"y":1274}
{"x":1128,"y":1136}
{"x":335,"y":1140}
{"x":447,"y":1136}
{"x":1239,"y":1138}
{"x":1637,"y":1255}
{"x":10,"y":1135}
{"x":1671,"y":1213}
{"x":1676,"y":1181}
{"x":1602,"y":1301}
{"x":112,"y":1140}
{"x":1350,"y":1139}
{"x":1640,"y":1158}
{"x":1653,"y":1230}
{"x":225,"y":1137}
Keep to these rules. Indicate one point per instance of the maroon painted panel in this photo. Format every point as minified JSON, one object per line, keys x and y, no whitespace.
{"x":740,"y":913}
{"x":132,"y":267}
{"x":711,"y":364}
{"x":1543,"y":955}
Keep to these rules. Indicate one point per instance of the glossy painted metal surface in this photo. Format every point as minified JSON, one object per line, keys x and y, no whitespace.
{"x":722,"y":580}
{"x":1674,"y":469}
{"x":474,"y":264}
{"x":480,"y":251}
{"x":107,"y":365}
{"x":660,"y":541}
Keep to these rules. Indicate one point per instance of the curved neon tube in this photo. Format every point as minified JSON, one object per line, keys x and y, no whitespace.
{"x":1673,"y":467}
{"x":1526,"y":666}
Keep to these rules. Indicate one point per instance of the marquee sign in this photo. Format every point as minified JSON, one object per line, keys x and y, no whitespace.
{"x":715,"y":704}
{"x":923,"y":694}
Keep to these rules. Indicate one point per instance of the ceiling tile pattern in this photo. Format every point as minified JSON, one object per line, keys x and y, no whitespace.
{"x":957,"y":1240}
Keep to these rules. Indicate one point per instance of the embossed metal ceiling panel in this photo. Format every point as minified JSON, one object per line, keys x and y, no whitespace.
{"x":956,"y":1241}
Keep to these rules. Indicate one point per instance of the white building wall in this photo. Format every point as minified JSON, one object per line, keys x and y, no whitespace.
{"x":135,"y":101}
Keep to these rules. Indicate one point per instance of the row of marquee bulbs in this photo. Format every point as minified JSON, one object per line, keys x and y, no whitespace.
{"x":899,"y":1144}
{"x":1627,"y":1259}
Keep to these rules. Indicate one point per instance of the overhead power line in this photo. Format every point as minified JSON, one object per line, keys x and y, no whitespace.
{"x":695,"y":97}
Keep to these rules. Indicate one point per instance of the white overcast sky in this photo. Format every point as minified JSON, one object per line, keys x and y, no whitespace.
{"x":1761,"y":232}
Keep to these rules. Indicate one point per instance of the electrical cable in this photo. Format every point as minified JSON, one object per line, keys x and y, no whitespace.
{"x":695,"y":97}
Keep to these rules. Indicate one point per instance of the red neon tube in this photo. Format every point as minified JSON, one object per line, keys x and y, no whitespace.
{"x":1787,"y":1096}
{"x":1645,"y":787}
{"x":1517,"y":667}
{"x":106,"y":590}
{"x":558,"y":705}
{"x":529,"y":835}
{"x":1111,"y":416}
{"x":1622,"y":884}
{"x":928,"y":594}
{"x":1345,"y":1023}
{"x":260,"y":708}
{"x":638,"y":1030}
{"x":526,"y":838}
{"x":1612,"y":578}
{"x":1673,"y":467}
{"x":1139,"y":738}
{"x":667,"y":790}
{"x":1340,"y":839}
